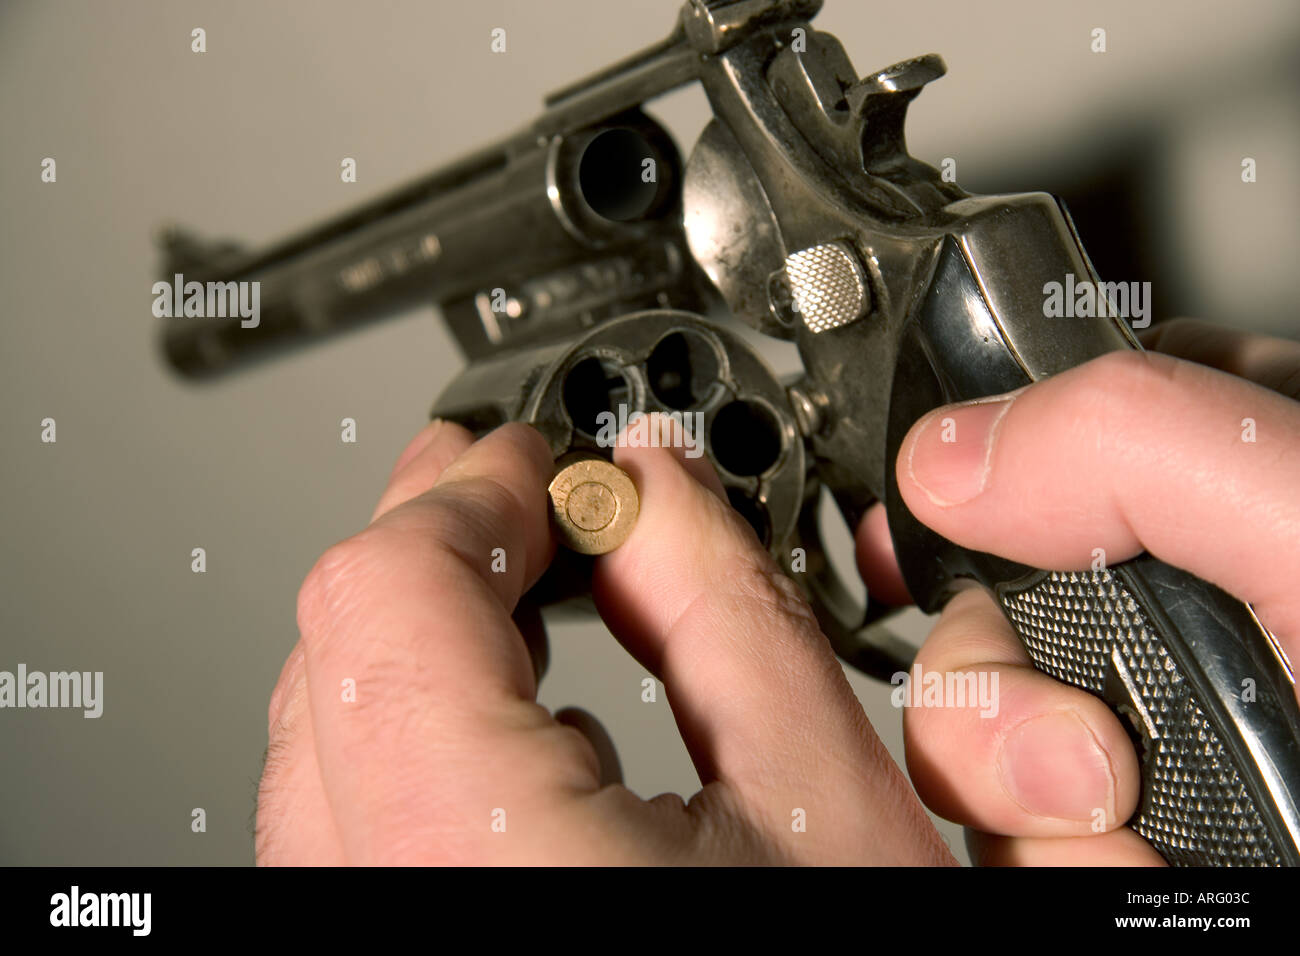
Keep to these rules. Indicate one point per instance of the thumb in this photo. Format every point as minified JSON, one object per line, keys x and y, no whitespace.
{"x":1130,"y":452}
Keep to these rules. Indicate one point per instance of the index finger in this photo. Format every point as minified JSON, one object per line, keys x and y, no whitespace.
{"x":412,"y":658}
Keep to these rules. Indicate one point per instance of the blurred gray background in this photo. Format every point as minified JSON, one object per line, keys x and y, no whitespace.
{"x":245,"y":140}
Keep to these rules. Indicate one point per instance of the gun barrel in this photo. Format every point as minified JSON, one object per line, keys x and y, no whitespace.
{"x":533,"y":211}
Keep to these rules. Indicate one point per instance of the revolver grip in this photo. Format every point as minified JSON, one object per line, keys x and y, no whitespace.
{"x":1196,"y":680}
{"x":1174,"y":656}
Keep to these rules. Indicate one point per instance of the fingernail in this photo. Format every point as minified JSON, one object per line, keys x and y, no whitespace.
{"x":1054,"y":766}
{"x":951,"y":455}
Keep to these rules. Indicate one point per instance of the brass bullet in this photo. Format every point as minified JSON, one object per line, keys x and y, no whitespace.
{"x":593,"y":503}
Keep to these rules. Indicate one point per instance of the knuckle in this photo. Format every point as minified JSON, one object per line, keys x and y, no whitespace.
{"x":1107,"y":401}
{"x":464,"y":520}
{"x":482,"y":507}
{"x":292,"y":678}
{"x":758,"y":582}
{"x":1127,"y":376}
{"x":288,"y":702}
{"x":332,"y":587}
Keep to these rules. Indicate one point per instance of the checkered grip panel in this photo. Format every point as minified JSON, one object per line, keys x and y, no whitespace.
{"x":1085,"y":628}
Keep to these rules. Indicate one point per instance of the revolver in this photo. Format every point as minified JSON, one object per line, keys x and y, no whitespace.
{"x":582,"y":267}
